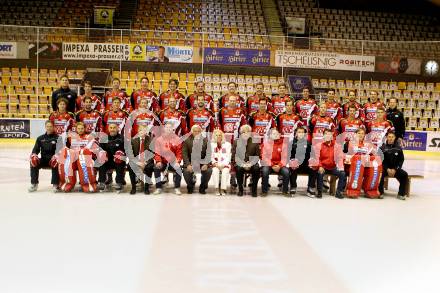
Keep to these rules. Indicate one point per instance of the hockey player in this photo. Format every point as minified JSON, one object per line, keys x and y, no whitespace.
{"x":91,"y":118}
{"x":116,"y":92}
{"x":172,"y":91}
{"x":168,"y":156}
{"x":115,"y":116}
{"x":96,"y":101}
{"x":352,"y":102}
{"x":288,"y":121}
{"x":278,"y":101}
{"x":349,"y":125}
{"x":252,"y":103}
{"x":63,"y":121}
{"x":114,"y":148}
{"x":371,"y":107}
{"x":143,"y":116}
{"x":145,"y":93}
{"x":306,"y":107}
{"x":64,"y":92}
{"x":201,"y":116}
{"x":231,"y":118}
{"x":378,"y":129}
{"x":262,"y":120}
{"x":232,"y":91}
{"x":45,"y":145}
{"x":334,"y":109}
{"x":320,"y":122}
{"x":174,"y":116}
{"x":191,"y":101}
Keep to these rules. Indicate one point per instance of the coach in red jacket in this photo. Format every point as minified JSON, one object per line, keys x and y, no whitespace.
{"x":274,"y":155}
{"x":167,"y":155}
{"x":328,"y":159}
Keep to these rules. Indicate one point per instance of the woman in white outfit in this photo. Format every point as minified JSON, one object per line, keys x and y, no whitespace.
{"x":221,"y":158}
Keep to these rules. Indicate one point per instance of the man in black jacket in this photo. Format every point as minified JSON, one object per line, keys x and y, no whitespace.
{"x":245,"y":156}
{"x":392,"y":165}
{"x":299,"y":161}
{"x":196,"y":154}
{"x":45,"y":144}
{"x":396,"y":116}
{"x":141,"y":159}
{"x":64,"y":92}
{"x":114,"y":147}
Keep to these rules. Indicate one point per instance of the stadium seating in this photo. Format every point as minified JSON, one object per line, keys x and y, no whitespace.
{"x":340,"y":29}
{"x":226,"y":23}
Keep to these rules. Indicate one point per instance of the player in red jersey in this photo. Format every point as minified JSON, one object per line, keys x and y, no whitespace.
{"x":363,"y":165}
{"x":278,"y":101}
{"x":348,"y":126}
{"x":306,"y":107}
{"x":262,"y":121}
{"x":201,"y":116}
{"x":352,"y":101}
{"x":231,"y":118}
{"x":321,"y":122}
{"x":78,"y":158}
{"x":176,"y":117}
{"x":371,"y":107}
{"x":115,"y":116}
{"x":253,"y":102}
{"x":288,"y":121}
{"x":91,"y":118}
{"x":173,"y":85}
{"x":334,"y":109}
{"x":117,"y":92}
{"x":96,"y":101}
{"x":143,"y":116}
{"x":232,"y":91}
{"x":200,"y":91}
{"x":62,"y":120}
{"x":145,"y":93}
{"x":378,"y":129}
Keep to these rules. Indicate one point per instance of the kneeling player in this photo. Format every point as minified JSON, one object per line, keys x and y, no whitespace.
{"x":46,"y":145}
{"x":78,"y":156}
{"x":365,"y":167}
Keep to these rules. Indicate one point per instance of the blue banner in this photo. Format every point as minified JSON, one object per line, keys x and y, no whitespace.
{"x":297,"y":83}
{"x":414,"y":140}
{"x":231,"y":56}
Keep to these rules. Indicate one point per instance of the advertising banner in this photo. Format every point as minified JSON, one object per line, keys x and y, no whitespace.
{"x":414,"y":140}
{"x":231,"y":56}
{"x":138,"y":52}
{"x":96,"y":51}
{"x":14,"y":128}
{"x":398,"y":65}
{"x":433,"y":143}
{"x":179,"y":54}
{"x":47,"y":51}
{"x":8,"y":50}
{"x":103,"y":15}
{"x":324,"y":60}
{"x":297,"y":83}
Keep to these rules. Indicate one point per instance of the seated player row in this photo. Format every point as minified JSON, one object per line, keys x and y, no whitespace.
{"x":160,"y":149}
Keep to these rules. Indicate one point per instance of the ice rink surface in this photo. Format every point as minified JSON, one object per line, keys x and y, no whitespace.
{"x":135,"y":243}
